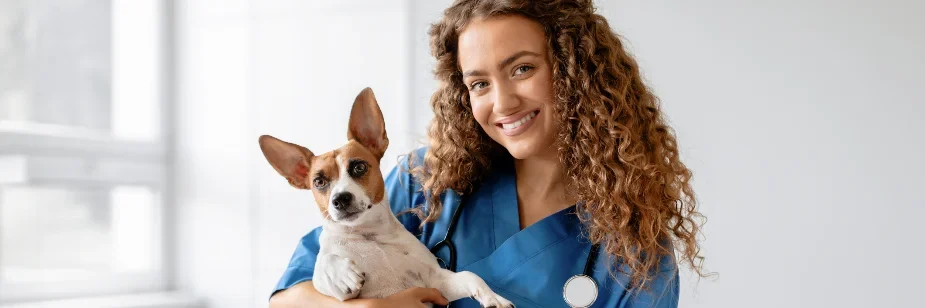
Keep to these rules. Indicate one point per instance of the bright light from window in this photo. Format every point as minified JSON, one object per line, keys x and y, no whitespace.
{"x":93,"y":65}
{"x":75,"y":217}
{"x":134,"y":227}
{"x":136,"y":69}
{"x":52,"y":234}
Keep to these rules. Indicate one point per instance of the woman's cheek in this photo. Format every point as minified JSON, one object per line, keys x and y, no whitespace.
{"x":480,"y":111}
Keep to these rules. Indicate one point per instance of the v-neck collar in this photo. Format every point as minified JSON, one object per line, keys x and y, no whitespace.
{"x":506,"y":208}
{"x":521,"y":245}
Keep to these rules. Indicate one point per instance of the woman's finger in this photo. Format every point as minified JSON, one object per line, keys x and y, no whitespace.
{"x":430,"y":295}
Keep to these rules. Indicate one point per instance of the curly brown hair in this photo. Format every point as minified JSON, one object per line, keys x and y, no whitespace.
{"x":618,"y":152}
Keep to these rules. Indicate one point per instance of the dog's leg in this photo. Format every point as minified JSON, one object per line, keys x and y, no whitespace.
{"x":454,"y":286}
{"x":338,"y":277}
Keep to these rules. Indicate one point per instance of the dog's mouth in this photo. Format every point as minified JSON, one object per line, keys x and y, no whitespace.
{"x":350,"y":213}
{"x":348,"y":216}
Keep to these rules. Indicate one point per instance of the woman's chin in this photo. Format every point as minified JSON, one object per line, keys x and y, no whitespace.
{"x":529,"y":144}
{"x":522,"y":149}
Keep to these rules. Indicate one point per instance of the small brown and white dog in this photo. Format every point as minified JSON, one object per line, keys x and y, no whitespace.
{"x":365,"y":252}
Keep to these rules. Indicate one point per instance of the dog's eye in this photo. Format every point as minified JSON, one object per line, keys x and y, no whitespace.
{"x":359,"y":169}
{"x":320,"y":183}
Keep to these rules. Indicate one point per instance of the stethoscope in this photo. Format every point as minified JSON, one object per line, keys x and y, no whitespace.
{"x":579,"y":291}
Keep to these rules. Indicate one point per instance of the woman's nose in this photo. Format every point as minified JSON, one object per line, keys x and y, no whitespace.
{"x":506,"y":99}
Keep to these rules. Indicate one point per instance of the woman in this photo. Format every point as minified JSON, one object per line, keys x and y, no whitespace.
{"x":545,"y":140}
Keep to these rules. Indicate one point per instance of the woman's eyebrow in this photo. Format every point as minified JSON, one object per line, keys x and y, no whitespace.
{"x":474,"y":73}
{"x":507,"y":61}
{"x":514,"y":57}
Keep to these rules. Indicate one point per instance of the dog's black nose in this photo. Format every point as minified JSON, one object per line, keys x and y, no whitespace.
{"x":342,"y":200}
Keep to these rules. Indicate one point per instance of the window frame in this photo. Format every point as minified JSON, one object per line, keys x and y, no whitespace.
{"x":30,"y":148}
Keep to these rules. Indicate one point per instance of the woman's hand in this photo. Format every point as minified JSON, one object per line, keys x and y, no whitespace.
{"x":412,"y":297}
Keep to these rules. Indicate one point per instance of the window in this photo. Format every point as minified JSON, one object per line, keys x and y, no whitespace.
{"x":82,"y":148}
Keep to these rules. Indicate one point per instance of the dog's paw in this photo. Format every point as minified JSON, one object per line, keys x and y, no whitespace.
{"x":489,"y":299}
{"x":485,"y":296}
{"x":339,"y":278}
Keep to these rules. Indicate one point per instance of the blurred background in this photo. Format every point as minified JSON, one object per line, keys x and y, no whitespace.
{"x":130,"y":174}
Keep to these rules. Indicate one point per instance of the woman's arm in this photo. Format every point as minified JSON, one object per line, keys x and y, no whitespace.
{"x":304,"y":295}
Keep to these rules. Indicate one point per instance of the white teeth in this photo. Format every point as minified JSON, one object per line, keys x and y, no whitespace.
{"x":520,"y":122}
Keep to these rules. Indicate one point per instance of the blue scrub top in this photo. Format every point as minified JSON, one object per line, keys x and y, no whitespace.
{"x":528,"y":267}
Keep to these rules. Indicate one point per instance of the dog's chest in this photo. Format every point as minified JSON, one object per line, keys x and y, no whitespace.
{"x":392,"y":262}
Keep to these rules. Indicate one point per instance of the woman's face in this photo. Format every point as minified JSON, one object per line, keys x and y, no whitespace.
{"x":505,"y":67}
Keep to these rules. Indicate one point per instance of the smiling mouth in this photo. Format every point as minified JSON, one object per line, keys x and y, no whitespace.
{"x":519,"y":126}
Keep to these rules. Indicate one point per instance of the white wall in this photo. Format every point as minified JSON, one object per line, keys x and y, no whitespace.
{"x":213,"y":184}
{"x":423,"y":14}
{"x":801,"y":121}
{"x":798,"y":119}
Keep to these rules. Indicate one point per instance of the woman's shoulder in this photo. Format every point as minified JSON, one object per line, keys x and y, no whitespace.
{"x":661,"y":289}
{"x":402,"y":188}
{"x":401,"y":174}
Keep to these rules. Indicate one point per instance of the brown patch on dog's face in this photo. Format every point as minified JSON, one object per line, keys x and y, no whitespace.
{"x":369,"y":176}
{"x":321,"y":178}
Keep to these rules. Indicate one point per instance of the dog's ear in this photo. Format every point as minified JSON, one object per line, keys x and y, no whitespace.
{"x":367,"y":125}
{"x":292,"y":161}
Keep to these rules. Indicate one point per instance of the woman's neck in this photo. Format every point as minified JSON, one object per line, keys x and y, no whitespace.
{"x":541,"y":187}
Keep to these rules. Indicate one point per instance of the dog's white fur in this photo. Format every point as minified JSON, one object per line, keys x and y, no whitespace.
{"x":374,"y":256}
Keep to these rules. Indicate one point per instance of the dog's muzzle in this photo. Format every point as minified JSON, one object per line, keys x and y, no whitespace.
{"x":344,"y":207}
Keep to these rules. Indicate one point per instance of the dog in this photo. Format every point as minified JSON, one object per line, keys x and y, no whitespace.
{"x":365,"y":252}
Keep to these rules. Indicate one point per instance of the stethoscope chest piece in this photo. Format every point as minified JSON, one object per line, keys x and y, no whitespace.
{"x":580,"y":291}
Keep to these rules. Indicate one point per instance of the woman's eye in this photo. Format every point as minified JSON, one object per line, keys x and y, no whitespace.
{"x":478,"y":85}
{"x":320,"y":182}
{"x":522,"y":70}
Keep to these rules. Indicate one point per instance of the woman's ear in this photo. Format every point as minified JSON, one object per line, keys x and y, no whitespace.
{"x":367,"y":125}
{"x":292,"y":161}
